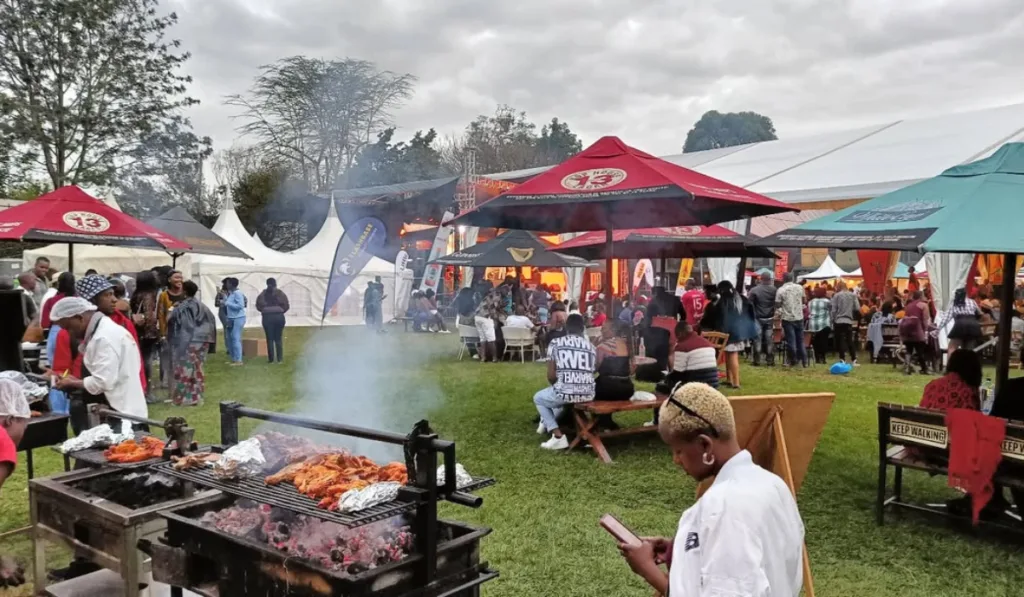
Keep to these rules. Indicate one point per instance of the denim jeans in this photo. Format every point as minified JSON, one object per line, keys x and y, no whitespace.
{"x":794,"y":333}
{"x":273,"y":329}
{"x":763,"y":341}
{"x":235,"y":339}
{"x":549,"y":407}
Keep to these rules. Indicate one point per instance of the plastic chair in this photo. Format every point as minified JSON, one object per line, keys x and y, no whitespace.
{"x":520,"y":339}
{"x":468,"y":339}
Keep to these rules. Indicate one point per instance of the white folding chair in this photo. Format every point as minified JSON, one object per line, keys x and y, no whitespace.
{"x":468,"y":338}
{"x":520,"y":339}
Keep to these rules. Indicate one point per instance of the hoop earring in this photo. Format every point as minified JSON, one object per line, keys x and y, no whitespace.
{"x":708,"y":459}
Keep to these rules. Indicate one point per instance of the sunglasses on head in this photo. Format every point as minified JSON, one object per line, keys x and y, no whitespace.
{"x":689,"y":411}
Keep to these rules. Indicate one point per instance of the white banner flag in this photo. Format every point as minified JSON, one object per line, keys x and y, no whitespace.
{"x":432,"y":274}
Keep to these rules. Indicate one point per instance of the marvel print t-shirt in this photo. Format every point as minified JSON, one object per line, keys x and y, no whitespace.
{"x":575,"y":361}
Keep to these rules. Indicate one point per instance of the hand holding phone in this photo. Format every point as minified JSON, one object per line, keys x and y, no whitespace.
{"x":619,"y":530}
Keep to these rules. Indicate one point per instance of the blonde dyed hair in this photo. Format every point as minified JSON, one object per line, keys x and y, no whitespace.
{"x":703,"y":400}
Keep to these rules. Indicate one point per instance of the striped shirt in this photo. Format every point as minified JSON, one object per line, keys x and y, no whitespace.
{"x":694,"y":354}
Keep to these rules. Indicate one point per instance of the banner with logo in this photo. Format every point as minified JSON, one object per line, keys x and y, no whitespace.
{"x":643,"y":271}
{"x":877,"y":267}
{"x":357,"y":245}
{"x":432,"y":273}
{"x":685,"y":269}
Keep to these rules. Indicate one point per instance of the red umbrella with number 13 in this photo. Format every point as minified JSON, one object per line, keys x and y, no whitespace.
{"x":70,"y":215}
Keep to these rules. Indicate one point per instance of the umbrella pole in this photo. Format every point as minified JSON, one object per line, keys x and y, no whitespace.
{"x":609,"y":296}
{"x":1006,"y":307}
{"x":174,"y":260}
{"x":664,"y":272}
{"x":71,"y":257}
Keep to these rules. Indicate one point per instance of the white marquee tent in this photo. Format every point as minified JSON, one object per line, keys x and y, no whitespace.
{"x":828,"y":270}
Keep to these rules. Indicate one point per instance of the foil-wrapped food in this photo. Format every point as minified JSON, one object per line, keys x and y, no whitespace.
{"x":462,"y":478}
{"x":355,"y":500}
{"x":243,"y":459}
{"x":100,"y":436}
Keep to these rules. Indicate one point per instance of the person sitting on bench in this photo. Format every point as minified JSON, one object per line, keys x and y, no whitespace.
{"x":572,"y":360}
{"x":692,"y":359}
{"x":958,"y":388}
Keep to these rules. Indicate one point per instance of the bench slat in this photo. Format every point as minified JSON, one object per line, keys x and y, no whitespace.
{"x":611,"y":407}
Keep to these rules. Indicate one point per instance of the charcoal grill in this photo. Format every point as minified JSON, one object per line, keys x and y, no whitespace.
{"x":194,"y":553}
{"x":105,"y":532}
{"x":49,"y":429}
{"x":176,"y":428}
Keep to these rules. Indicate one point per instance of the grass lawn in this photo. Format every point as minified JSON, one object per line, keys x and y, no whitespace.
{"x":545,"y":507}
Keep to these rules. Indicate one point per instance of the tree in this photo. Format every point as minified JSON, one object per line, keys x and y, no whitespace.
{"x":166,"y":170}
{"x":315,"y":116}
{"x":81,"y":81}
{"x":715,"y":130}
{"x":557,"y":143}
{"x":508,"y":141}
{"x":260,"y":195}
{"x":384,"y":162}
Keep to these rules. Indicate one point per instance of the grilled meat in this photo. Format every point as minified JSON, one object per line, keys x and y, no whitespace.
{"x":135,"y":450}
{"x":193,"y":461}
{"x":325,"y":477}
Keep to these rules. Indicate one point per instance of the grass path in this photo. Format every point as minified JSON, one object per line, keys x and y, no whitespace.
{"x":545,"y":507}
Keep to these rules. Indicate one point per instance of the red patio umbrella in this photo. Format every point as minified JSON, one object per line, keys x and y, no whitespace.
{"x":611,"y":185}
{"x":663,"y":243}
{"x":70,"y":215}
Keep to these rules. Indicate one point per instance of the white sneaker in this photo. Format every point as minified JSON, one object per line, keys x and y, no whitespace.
{"x":856,"y":364}
{"x":649,"y":424}
{"x":476,"y":357}
{"x":556,"y":443}
{"x":541,"y":430}
{"x":445,"y":332}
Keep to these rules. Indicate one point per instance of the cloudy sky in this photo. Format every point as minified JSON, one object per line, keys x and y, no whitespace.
{"x":644,"y":70}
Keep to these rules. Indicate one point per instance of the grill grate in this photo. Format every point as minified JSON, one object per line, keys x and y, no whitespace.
{"x":286,"y":496}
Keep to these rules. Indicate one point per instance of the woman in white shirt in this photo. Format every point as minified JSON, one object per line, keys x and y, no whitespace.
{"x":744,"y":536}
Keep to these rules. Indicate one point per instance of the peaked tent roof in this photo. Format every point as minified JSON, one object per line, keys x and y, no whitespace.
{"x":178,"y":223}
{"x":514,"y":248}
{"x":902,"y":272}
{"x":828,"y":270}
{"x":318,"y":253}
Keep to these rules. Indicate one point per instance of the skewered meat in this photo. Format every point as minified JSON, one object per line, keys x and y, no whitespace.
{"x":325,"y":477}
{"x":135,"y":450}
{"x":193,"y":461}
{"x":280,"y":449}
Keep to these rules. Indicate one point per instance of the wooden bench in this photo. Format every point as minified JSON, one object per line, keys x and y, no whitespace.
{"x":404,"y":320}
{"x":585,"y":416}
{"x":903,"y":427}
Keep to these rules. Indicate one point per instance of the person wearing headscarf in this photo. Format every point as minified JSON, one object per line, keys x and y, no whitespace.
{"x":193,"y":327}
{"x":272,"y":303}
{"x":744,"y":536}
{"x":111,"y":365}
{"x":100,"y":292}
{"x":14,"y":418}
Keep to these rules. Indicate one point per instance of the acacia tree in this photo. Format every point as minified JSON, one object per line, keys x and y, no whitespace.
{"x":385,"y":162}
{"x":314,"y":116}
{"x":82,"y":81}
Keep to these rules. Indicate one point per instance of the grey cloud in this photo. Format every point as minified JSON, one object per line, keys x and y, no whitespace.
{"x":645,"y":71}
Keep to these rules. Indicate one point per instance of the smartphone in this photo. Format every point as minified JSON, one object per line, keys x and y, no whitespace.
{"x":619,"y":530}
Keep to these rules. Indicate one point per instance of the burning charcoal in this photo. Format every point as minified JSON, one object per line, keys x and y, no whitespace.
{"x":357,"y":568}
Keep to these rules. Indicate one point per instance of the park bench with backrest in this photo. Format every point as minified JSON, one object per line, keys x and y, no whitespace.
{"x":916,"y":438}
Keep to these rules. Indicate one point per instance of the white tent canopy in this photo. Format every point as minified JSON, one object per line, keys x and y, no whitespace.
{"x":854,"y":164}
{"x":828,"y":270}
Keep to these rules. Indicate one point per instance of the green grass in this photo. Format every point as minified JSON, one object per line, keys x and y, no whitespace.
{"x":545,"y":507}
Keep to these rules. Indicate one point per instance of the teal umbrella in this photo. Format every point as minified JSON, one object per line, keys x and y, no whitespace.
{"x":971,"y":208}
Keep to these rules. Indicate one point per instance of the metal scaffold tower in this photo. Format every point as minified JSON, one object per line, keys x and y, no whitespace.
{"x":465,"y":196}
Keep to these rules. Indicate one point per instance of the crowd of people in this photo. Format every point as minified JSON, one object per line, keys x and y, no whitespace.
{"x":96,"y":328}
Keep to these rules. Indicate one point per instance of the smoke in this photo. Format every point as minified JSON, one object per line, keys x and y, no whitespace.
{"x":356,"y":377}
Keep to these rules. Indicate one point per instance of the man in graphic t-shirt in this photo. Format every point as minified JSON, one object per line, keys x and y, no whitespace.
{"x":571,"y":365}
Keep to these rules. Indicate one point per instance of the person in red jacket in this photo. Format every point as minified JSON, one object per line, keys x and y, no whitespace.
{"x":100,"y":292}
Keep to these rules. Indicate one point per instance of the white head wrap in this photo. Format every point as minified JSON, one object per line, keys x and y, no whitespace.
{"x":12,"y":400}
{"x":70,"y":306}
